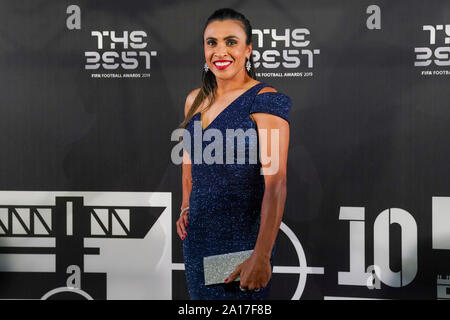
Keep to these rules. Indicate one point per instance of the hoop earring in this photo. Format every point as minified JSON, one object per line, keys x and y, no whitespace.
{"x":248,"y":65}
{"x":205,"y":67}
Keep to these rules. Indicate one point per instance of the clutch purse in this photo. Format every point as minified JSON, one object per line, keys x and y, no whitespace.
{"x":218,"y":267}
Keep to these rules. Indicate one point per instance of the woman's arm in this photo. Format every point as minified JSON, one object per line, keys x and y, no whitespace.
{"x":186,"y":180}
{"x":275,"y":193}
{"x":255,"y":272}
{"x":186,"y":177}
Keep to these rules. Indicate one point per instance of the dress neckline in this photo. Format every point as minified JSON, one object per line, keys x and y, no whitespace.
{"x":227,"y":107}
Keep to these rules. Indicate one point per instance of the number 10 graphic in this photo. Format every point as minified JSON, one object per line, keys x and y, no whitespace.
{"x":358,"y":275}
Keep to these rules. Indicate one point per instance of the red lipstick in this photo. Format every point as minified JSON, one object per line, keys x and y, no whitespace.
{"x":223,"y":64}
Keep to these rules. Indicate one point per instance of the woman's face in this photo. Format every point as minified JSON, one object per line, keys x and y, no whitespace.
{"x":225,"y":48}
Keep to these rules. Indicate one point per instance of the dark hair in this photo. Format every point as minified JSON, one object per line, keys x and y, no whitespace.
{"x":209,"y":83}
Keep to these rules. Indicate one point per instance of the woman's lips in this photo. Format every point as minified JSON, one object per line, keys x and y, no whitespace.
{"x":221,"y":65}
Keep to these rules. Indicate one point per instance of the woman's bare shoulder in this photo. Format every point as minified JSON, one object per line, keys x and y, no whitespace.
{"x":267,"y":89}
{"x":190,"y":100}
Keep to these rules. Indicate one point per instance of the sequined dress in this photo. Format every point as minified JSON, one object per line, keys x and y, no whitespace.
{"x":225,"y":200}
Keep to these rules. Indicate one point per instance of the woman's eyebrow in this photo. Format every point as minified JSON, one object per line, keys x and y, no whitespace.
{"x":226,"y":38}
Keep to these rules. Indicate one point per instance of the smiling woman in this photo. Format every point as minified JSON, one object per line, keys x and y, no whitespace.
{"x":222,"y":64}
{"x":238,"y":205}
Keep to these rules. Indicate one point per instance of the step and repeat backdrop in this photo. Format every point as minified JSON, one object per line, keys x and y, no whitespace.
{"x":91,"y":92}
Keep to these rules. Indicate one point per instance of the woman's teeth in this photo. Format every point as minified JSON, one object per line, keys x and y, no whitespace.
{"x":221,"y":64}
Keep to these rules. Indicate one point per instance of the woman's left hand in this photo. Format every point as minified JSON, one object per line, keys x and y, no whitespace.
{"x":255,"y":272}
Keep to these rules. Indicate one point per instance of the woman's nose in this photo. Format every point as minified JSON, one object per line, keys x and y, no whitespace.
{"x":221,"y":51}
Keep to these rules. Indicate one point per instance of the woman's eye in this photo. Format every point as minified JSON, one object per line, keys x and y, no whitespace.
{"x":230,"y":42}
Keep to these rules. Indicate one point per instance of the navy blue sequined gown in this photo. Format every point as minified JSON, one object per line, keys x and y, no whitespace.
{"x":225,"y":200}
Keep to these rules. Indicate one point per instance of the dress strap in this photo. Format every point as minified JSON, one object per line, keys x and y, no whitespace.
{"x":254,"y":92}
{"x":276,"y":103}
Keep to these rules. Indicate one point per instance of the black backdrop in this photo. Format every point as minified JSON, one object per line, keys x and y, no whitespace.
{"x":368,"y":165}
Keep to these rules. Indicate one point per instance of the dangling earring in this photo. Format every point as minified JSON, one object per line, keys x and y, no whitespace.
{"x":206,"y":67}
{"x":248,"y":65}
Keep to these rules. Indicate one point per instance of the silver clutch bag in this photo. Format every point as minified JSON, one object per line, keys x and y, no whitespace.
{"x":217,"y":268}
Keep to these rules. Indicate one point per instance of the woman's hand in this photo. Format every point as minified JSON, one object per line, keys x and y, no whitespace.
{"x":255,"y":272}
{"x":182,"y":222}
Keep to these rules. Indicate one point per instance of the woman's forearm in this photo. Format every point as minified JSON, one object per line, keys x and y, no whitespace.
{"x":271,"y":215}
{"x":186,"y":184}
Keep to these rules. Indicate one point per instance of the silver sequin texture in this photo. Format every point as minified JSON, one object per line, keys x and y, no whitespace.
{"x":218,"y":267}
{"x":225,"y":200}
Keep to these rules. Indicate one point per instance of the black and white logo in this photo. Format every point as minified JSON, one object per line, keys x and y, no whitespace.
{"x":87,"y":245}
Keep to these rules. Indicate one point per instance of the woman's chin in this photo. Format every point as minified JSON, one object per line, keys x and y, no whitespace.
{"x":225,"y":75}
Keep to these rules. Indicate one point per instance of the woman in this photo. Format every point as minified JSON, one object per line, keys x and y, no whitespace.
{"x":233,"y":207}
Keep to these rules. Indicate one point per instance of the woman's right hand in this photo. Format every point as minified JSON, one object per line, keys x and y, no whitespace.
{"x":182,"y":223}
